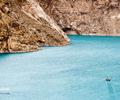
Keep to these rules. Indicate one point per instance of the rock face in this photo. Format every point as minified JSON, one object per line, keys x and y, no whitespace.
{"x":24,"y":27}
{"x":95,"y":17}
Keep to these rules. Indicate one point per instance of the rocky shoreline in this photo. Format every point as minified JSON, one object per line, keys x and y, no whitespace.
{"x":28,"y":25}
{"x":83,"y":34}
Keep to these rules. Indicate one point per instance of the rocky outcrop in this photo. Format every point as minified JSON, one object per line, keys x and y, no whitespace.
{"x":24,"y":27}
{"x":94,"y":17}
{"x":27,"y":25}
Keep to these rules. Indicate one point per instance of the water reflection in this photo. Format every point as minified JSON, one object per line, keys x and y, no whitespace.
{"x":111,"y":91}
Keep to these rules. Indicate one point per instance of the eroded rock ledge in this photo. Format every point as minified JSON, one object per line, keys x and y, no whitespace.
{"x":24,"y":27}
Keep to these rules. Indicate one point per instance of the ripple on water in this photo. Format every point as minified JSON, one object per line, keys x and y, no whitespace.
{"x":73,"y":72}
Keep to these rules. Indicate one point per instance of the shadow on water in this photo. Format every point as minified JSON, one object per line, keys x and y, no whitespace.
{"x":111,"y":91}
{"x":3,"y":55}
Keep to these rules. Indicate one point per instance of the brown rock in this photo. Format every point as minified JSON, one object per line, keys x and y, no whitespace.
{"x":94,"y":17}
{"x":26,"y":28}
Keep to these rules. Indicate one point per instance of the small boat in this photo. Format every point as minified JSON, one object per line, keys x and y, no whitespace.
{"x":108,"y":79}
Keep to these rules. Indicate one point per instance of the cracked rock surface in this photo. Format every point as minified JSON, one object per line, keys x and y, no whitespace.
{"x":25,"y":27}
{"x":93,"y":17}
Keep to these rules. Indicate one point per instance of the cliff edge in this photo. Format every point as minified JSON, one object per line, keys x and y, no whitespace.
{"x":24,"y":27}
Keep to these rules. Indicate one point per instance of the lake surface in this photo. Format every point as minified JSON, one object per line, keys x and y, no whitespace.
{"x":74,"y":72}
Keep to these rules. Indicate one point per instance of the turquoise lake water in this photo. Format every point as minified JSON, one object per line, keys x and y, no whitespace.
{"x":73,"y":72}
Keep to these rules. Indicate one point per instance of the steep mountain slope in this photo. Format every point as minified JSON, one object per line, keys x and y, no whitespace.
{"x":24,"y":27}
{"x":95,"y":17}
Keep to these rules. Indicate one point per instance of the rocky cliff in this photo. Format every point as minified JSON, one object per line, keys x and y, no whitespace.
{"x":27,"y":25}
{"x":24,"y":27}
{"x":94,"y":17}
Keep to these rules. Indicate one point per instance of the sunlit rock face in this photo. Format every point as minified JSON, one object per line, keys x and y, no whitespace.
{"x":94,"y":17}
{"x":24,"y":27}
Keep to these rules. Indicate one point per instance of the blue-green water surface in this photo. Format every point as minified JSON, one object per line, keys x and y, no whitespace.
{"x":73,"y":72}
